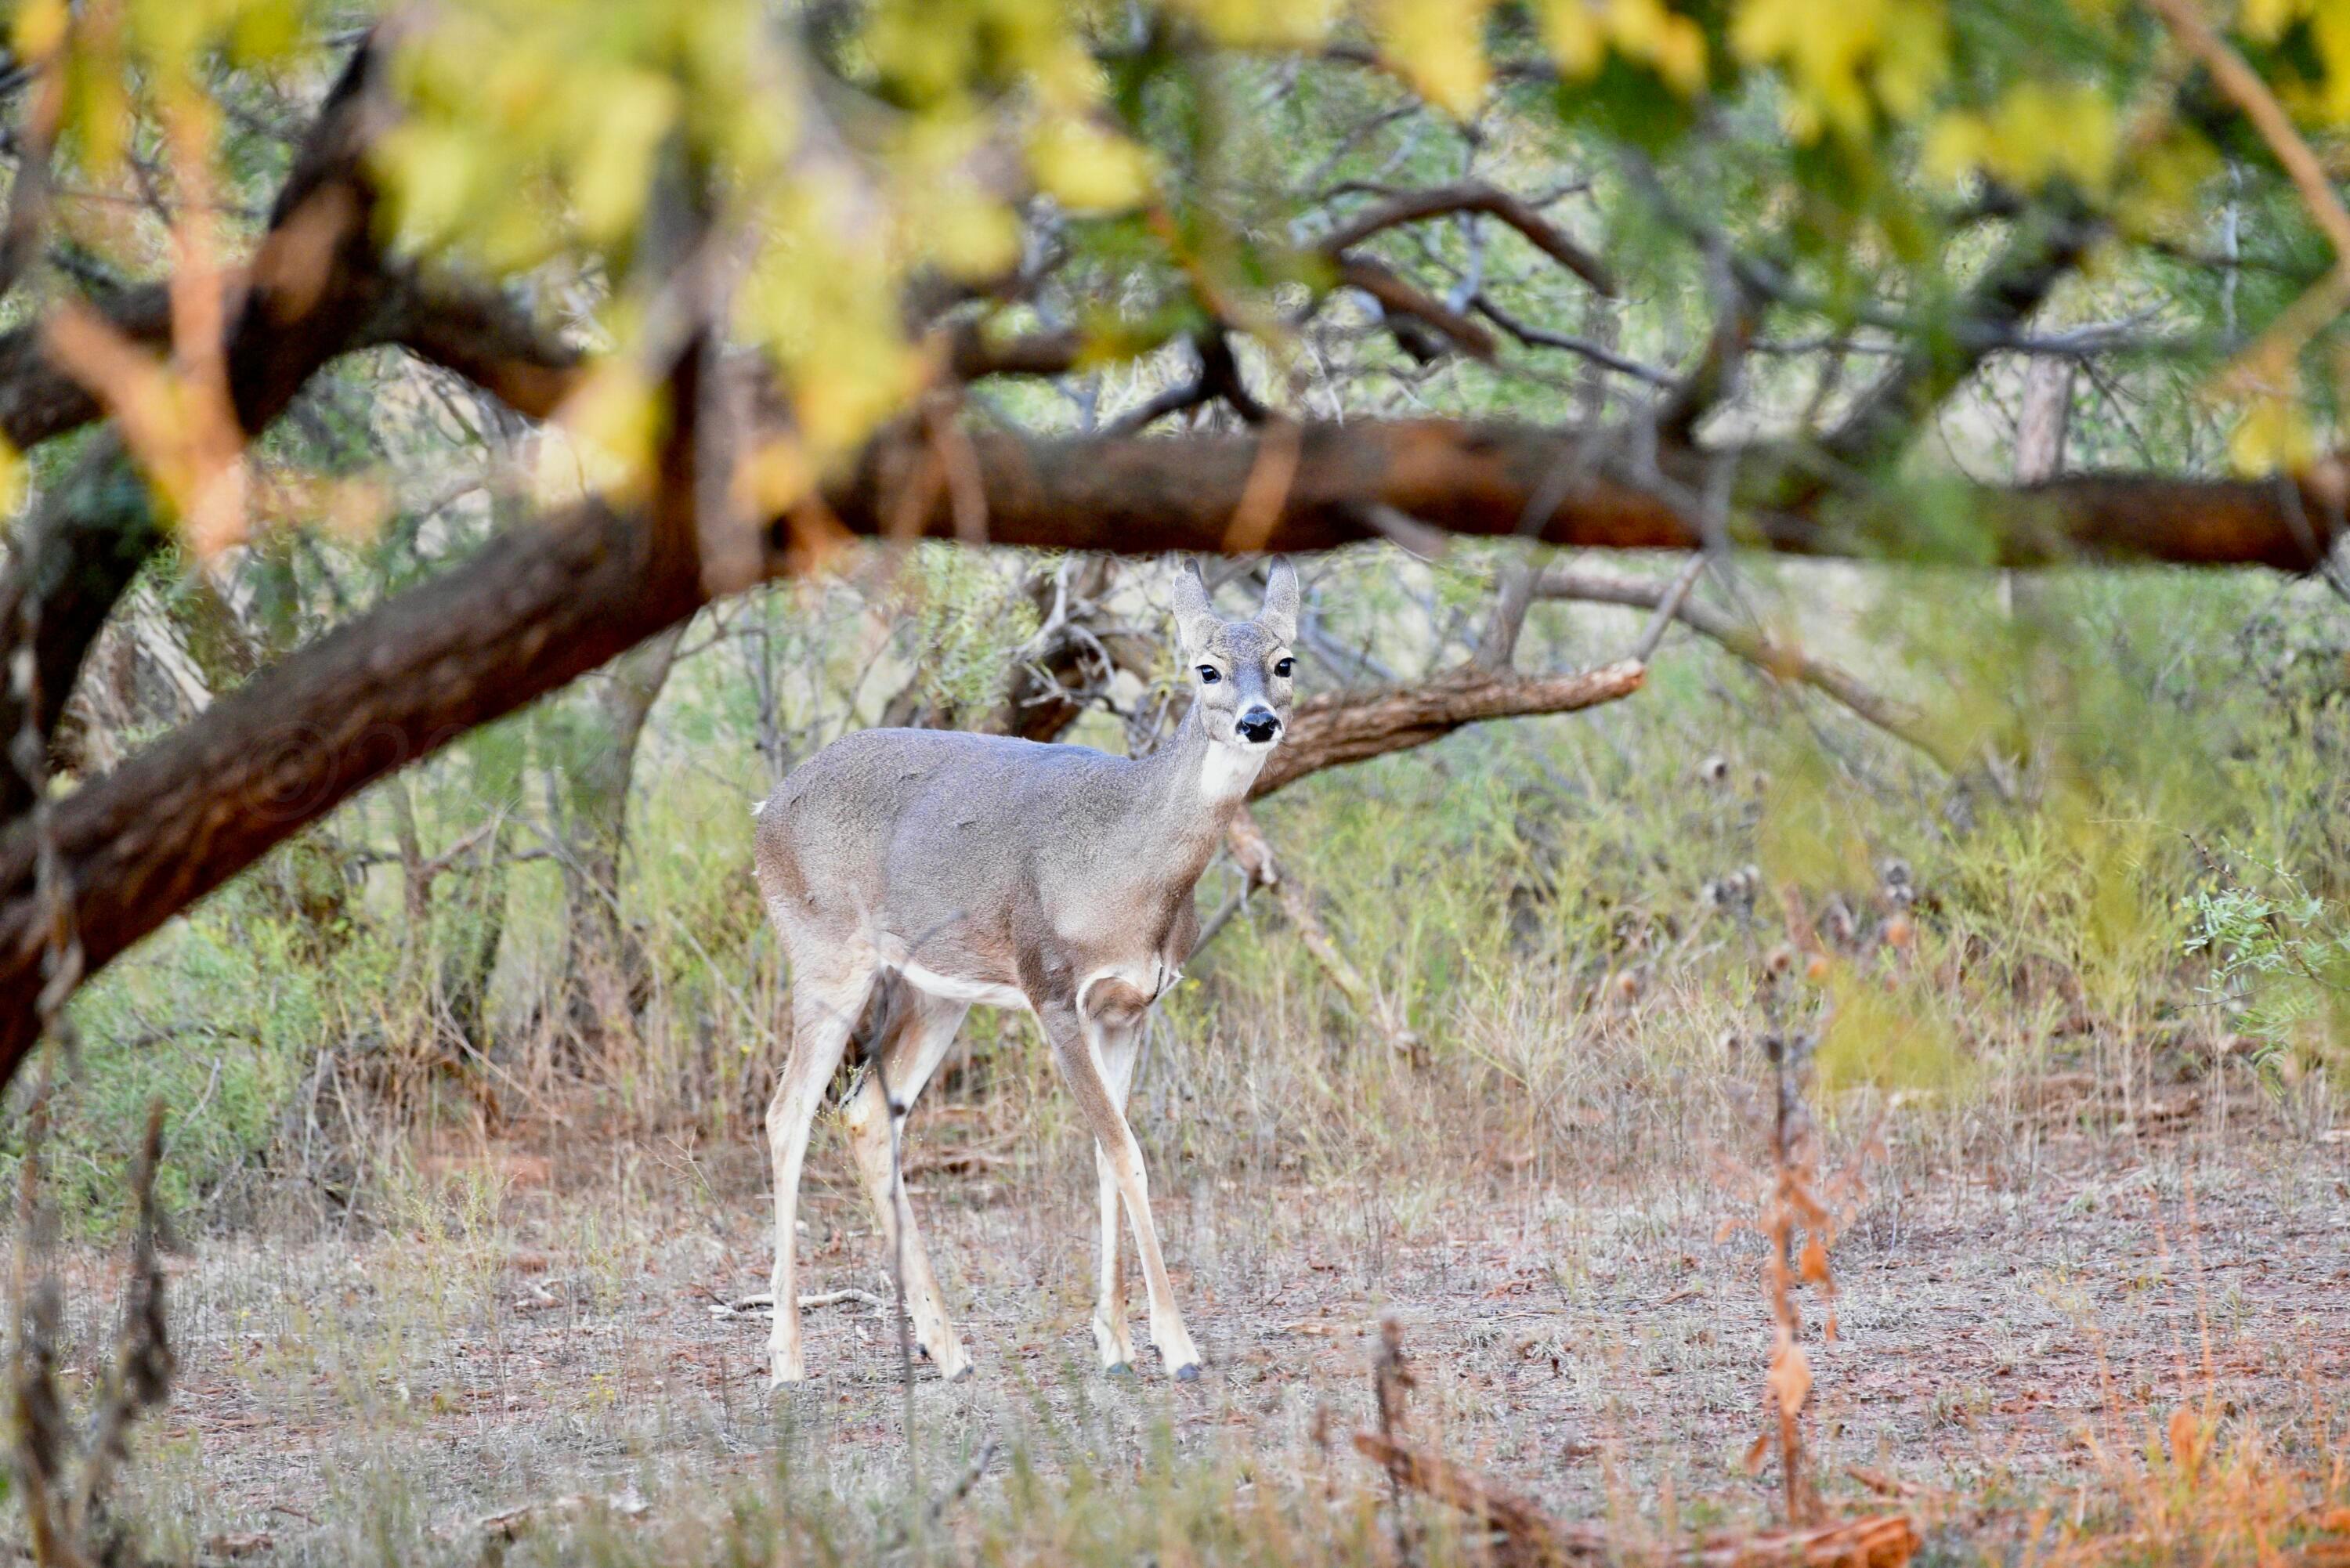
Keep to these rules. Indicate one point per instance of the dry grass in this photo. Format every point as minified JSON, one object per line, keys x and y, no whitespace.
{"x":529,"y":1325}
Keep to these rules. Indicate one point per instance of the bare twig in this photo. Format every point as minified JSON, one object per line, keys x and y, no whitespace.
{"x":1782,"y":661}
{"x":1475,"y":196}
{"x":1668,"y":607}
{"x":1599,"y":354}
{"x":762,"y":1303}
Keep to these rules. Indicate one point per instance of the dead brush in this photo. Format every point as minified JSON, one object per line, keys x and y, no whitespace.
{"x":2195,"y":1486}
{"x":2191,"y":1489}
{"x":63,"y":1483}
{"x":1512,"y":1531}
{"x":1799,"y":1212}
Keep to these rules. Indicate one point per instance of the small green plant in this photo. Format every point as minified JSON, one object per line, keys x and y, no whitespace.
{"x":2280,"y":960}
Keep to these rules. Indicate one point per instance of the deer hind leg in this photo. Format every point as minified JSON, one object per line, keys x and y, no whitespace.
{"x":827,"y":1000}
{"x":914,"y":1039}
{"x":1112,"y":1336}
{"x":1116,"y":1008}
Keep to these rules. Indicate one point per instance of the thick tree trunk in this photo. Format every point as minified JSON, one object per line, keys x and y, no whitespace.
{"x":482,"y":888}
{"x":606,"y":975}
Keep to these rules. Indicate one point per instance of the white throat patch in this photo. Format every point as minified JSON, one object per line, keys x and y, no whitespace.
{"x":1229,"y":771}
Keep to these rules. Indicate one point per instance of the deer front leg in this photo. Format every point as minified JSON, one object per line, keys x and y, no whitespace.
{"x":1075,"y":1048}
{"x":822,"y":1016}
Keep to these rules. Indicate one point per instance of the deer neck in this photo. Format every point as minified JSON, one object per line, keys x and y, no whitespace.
{"x":1194,"y":787}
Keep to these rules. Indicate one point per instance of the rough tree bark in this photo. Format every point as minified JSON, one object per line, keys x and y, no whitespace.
{"x":1333,"y":729}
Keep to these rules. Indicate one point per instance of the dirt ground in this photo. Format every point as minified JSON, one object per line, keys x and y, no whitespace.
{"x":539,"y":1324}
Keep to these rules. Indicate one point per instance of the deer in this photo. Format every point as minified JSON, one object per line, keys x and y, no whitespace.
{"x":912,"y":875}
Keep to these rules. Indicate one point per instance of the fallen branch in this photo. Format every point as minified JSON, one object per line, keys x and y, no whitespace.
{"x":761,"y":1303}
{"x":513,"y":1523}
{"x":1340,"y":727}
{"x":1535,"y":1536}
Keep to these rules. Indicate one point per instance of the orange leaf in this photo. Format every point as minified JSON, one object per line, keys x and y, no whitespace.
{"x":1791,"y":1378}
{"x":2186,"y":1440}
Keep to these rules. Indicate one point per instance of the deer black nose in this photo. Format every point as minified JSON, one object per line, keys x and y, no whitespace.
{"x":1259,"y":725}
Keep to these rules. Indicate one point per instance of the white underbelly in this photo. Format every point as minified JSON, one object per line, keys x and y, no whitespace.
{"x":951,"y":988}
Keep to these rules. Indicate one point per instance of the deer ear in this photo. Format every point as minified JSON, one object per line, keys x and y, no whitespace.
{"x":1279,"y":614}
{"x":1195,"y":614}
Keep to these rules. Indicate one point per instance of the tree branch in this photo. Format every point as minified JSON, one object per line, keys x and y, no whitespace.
{"x":1130,"y":495}
{"x":1933,"y":364}
{"x":1398,"y":298}
{"x":1474,"y":196}
{"x":1337,"y":728}
{"x":1781,"y":661}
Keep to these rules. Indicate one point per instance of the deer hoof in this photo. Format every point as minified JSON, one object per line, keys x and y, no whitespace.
{"x":1118,"y":1369}
{"x":1187,"y":1373}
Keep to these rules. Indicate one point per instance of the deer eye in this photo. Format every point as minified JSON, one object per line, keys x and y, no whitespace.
{"x":1208,"y":675}
{"x":1283,"y":666}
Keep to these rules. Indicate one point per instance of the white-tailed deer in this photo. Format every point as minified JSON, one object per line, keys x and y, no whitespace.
{"x":948,"y":869}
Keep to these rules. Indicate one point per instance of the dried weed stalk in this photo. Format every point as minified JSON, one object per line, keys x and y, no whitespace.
{"x":1800,"y":1213}
{"x":66,"y":1517}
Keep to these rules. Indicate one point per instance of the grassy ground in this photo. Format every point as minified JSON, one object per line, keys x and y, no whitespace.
{"x":534,"y":1322}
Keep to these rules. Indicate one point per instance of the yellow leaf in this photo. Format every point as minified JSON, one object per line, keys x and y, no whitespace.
{"x":39,"y":27}
{"x":632,"y":111}
{"x":1085,"y":168}
{"x":267,"y":31}
{"x":972,"y":235}
{"x":2265,"y":20}
{"x":2330,"y":31}
{"x":1265,"y":24}
{"x":619,"y":413}
{"x":1571,"y":29}
{"x":1681,"y":54}
{"x":2274,"y":436}
{"x":774,"y":479}
{"x":12,"y":478}
{"x":429,"y":168}
{"x":1912,"y":58}
{"x":1956,"y":146}
{"x":1645,"y":31}
{"x":1439,"y":47}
